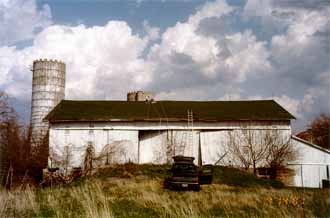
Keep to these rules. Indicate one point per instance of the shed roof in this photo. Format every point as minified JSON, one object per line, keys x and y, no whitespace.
{"x":310,"y":144}
{"x":68,"y":111}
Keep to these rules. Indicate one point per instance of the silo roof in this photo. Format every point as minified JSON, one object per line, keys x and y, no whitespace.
{"x":69,"y":110}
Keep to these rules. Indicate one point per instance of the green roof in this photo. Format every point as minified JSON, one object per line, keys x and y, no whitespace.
{"x":167,"y":111}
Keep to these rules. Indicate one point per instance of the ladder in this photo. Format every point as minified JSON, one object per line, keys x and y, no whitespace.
{"x":190,"y":131}
{"x":187,"y":137}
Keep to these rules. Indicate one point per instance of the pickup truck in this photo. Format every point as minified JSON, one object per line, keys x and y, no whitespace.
{"x":185,"y":175}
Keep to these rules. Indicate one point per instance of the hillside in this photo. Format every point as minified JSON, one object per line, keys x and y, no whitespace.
{"x":136,"y":191}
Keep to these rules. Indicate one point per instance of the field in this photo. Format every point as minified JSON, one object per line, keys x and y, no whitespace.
{"x":136,"y":191}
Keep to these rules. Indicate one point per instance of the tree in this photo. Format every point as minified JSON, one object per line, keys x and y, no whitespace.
{"x":318,"y":131}
{"x":255,"y":148}
{"x":280,"y":151}
{"x":14,"y":144}
{"x":248,"y":147}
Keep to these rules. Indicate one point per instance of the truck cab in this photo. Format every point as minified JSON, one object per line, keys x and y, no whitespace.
{"x":184,"y":174}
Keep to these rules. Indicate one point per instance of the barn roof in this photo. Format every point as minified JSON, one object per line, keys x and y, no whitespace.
{"x":67,"y":111}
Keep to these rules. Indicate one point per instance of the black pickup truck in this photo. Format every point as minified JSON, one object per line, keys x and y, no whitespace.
{"x":185,"y":175}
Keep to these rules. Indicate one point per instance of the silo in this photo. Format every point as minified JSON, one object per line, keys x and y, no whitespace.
{"x":48,"y":89}
{"x":140,"y":96}
{"x":131,"y":96}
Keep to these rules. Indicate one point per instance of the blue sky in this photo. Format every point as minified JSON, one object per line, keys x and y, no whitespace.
{"x":198,"y":50}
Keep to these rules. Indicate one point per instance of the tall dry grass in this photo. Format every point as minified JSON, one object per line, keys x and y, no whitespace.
{"x":18,"y":203}
{"x":143,"y":197}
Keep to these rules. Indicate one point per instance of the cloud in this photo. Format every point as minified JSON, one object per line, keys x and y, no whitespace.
{"x":216,"y":53}
{"x":299,"y":52}
{"x":21,"y":20}
{"x":102,"y":61}
{"x":189,"y":55}
{"x":290,"y":104}
{"x":152,"y":32}
{"x":302,"y":51}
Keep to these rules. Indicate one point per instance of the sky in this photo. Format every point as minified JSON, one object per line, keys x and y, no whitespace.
{"x":179,"y":50}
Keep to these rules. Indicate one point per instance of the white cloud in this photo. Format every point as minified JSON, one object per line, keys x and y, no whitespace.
{"x":200,"y":58}
{"x":21,"y":19}
{"x":152,"y":32}
{"x":295,"y":106}
{"x":290,"y":104}
{"x":102,"y":61}
{"x":301,"y":51}
{"x":258,"y":8}
{"x":249,"y":57}
{"x":186,"y":52}
{"x":184,"y":94}
{"x":231,"y":96}
{"x":184,"y":39}
{"x":215,"y":9}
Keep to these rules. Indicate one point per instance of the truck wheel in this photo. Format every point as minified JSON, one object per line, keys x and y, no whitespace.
{"x":196,"y":188}
{"x":166,"y":184}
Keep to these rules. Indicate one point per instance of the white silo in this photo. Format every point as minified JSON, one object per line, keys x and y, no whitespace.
{"x":48,"y":89}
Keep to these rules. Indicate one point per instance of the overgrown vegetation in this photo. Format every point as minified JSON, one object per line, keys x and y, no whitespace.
{"x":136,"y":191}
{"x":14,"y":144}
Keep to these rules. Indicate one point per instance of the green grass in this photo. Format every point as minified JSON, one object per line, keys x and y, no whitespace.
{"x":222,"y":175}
{"x":136,"y":191}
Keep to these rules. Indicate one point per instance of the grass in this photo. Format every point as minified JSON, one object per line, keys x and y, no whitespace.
{"x":136,"y":191}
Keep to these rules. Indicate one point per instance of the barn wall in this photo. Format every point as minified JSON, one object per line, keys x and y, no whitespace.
{"x":311,"y":165}
{"x":70,"y":144}
{"x":159,"y":146}
{"x":215,"y":144}
{"x":147,"y":142}
{"x":152,"y":147}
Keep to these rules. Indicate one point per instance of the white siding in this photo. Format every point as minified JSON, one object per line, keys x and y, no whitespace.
{"x":151,"y":148}
{"x":154,"y":145}
{"x":72,"y":143}
{"x":214,"y":146}
{"x":311,"y":165}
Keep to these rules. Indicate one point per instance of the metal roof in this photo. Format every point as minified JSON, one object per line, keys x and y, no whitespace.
{"x":68,"y":111}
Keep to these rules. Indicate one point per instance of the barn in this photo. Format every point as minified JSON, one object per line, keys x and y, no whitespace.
{"x":146,"y":130}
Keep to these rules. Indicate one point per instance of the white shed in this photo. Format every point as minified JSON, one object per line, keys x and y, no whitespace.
{"x":312,"y":164}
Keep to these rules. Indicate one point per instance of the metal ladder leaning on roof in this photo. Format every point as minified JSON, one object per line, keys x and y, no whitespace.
{"x":187,"y":137}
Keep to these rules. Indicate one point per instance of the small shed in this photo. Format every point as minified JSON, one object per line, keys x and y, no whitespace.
{"x":312,"y":166}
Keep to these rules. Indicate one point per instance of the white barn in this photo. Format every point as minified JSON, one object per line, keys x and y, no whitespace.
{"x":142,"y":130}
{"x":154,"y":131}
{"x":149,"y":130}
